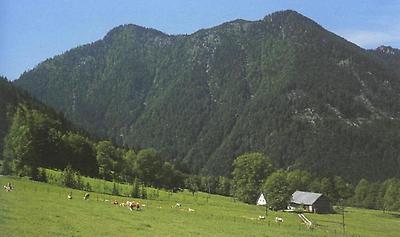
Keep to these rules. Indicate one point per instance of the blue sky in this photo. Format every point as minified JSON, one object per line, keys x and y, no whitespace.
{"x":32,"y":31}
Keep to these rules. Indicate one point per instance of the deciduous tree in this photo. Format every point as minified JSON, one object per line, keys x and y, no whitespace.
{"x":249,"y":172}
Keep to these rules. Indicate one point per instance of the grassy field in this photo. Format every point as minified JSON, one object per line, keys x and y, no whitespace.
{"x":39,"y":209}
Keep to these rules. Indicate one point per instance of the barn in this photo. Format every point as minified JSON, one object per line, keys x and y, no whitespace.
{"x":310,"y":202}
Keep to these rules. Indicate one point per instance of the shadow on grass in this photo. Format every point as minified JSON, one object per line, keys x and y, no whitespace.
{"x":395,"y":215}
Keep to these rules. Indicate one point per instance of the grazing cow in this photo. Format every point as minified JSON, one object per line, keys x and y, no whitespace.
{"x":86,"y":197}
{"x":133,"y":205}
{"x":191,"y":210}
{"x":8,"y":187}
{"x":261,"y":217}
{"x":69,"y":196}
{"x":278,"y":220}
{"x":178,"y":205}
{"x":115,"y":202}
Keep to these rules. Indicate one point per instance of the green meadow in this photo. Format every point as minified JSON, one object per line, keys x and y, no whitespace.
{"x":42,"y":209}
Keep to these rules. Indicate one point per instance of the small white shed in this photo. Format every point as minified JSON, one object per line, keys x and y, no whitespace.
{"x":261,"y":200}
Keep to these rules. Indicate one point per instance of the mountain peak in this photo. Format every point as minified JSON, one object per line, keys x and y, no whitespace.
{"x":291,"y":19}
{"x":284,"y":15}
{"x":387,"y":50}
{"x":131,"y":28}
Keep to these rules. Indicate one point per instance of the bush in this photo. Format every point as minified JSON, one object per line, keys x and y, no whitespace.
{"x":72,"y":179}
{"x":68,"y":177}
{"x":78,"y":181}
{"x":41,"y":176}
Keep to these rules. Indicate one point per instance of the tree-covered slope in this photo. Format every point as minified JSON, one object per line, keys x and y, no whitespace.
{"x":30,"y":132}
{"x":10,"y":98}
{"x":282,"y":85}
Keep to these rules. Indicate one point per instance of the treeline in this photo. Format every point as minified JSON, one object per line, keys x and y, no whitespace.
{"x":36,"y":140}
{"x":12,"y":96}
{"x":209,"y":184}
{"x":377,"y":195}
{"x":194,"y":183}
{"x":254,"y":173}
{"x":73,"y":179}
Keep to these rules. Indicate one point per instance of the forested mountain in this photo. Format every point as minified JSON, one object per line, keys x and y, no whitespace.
{"x":282,"y":85}
{"x":34,"y":135}
{"x":10,"y":98}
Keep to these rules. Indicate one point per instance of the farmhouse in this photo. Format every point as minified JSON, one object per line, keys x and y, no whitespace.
{"x":310,"y":202}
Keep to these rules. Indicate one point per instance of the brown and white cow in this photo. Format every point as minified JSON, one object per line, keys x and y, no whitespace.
{"x":133,"y":205}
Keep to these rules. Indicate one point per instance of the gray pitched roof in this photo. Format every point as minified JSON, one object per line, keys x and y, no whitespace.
{"x":306,"y":198}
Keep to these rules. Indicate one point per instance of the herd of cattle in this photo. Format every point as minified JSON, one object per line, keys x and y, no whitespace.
{"x":132,"y":205}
